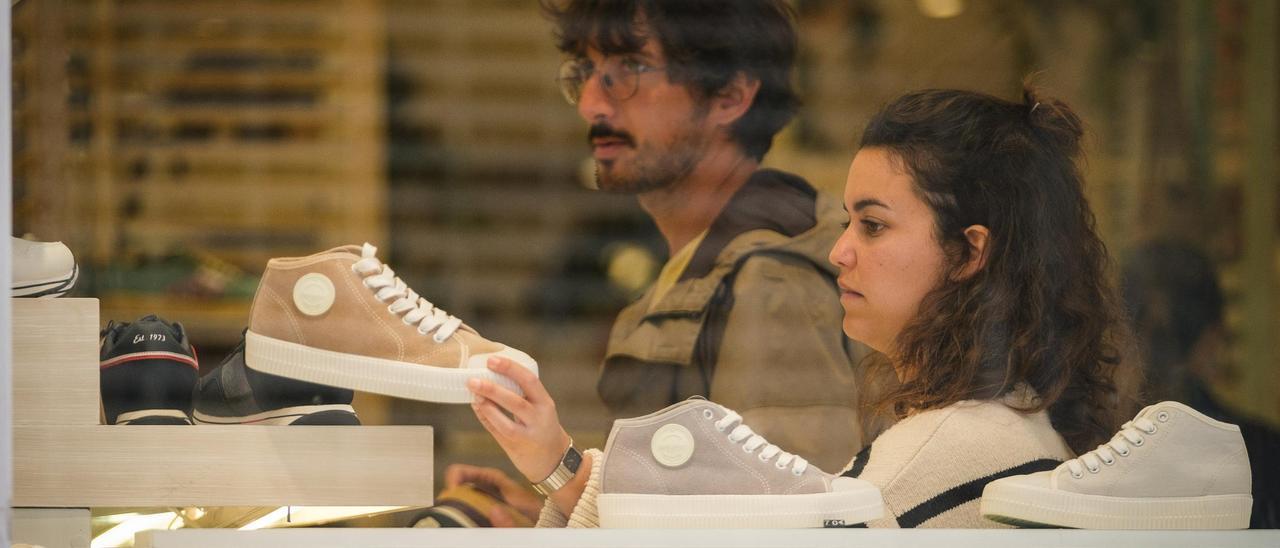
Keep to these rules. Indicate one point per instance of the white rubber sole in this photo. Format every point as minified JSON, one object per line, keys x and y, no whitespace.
{"x":837,"y":509}
{"x":366,"y":374}
{"x":129,"y":417}
{"x":48,"y":288}
{"x":1033,"y":506}
{"x":284,"y":415}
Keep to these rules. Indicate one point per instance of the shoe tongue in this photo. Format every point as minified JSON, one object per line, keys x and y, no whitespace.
{"x":1149,"y":412}
{"x":697,"y":399}
{"x":1146,"y":412}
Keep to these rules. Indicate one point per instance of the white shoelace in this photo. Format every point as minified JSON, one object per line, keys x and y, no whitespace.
{"x":413,"y":309}
{"x":1129,"y":435}
{"x":754,"y":441}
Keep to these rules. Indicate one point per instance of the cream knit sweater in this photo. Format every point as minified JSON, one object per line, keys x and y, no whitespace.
{"x":930,"y":467}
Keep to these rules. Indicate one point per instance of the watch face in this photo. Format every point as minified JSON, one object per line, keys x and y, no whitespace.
{"x":572,"y":460}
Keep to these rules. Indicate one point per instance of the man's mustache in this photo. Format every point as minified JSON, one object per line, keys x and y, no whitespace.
{"x":603,"y":130}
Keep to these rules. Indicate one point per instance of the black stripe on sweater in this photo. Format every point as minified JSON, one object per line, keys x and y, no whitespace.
{"x":966,"y":492}
{"x":859,"y":462}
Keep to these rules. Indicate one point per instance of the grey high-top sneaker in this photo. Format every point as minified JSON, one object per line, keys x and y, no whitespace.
{"x":1169,"y":468}
{"x":695,"y":465}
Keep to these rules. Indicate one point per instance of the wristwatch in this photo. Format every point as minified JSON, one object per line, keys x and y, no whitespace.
{"x":565,"y":470}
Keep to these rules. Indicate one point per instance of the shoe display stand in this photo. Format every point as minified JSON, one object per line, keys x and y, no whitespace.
{"x":65,"y":461}
{"x":704,"y":538}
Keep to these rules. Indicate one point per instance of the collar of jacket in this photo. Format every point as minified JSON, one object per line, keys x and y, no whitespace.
{"x":774,"y":212}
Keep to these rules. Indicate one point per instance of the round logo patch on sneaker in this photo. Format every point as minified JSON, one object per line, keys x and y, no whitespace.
{"x":313,"y":294}
{"x":672,"y":445}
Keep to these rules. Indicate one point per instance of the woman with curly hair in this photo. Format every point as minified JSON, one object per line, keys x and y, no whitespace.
{"x":971,"y":262}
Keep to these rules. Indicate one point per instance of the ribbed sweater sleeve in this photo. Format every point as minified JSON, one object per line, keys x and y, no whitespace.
{"x":584,"y":514}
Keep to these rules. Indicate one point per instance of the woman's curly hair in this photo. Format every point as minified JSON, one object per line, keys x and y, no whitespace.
{"x":1042,"y":310}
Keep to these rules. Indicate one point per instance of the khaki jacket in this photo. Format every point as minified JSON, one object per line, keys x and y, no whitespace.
{"x":753,"y":324}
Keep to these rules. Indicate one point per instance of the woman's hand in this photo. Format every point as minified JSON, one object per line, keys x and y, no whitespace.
{"x":531,"y":436}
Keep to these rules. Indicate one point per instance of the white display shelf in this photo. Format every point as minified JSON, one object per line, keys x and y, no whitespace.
{"x":635,"y":538}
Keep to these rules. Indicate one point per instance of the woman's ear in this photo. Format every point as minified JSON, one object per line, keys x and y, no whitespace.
{"x":977,"y":236}
{"x":734,"y":100}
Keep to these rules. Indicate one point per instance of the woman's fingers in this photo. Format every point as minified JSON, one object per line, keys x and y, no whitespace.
{"x":512,"y":402}
{"x":494,"y":420}
{"x":524,"y":378}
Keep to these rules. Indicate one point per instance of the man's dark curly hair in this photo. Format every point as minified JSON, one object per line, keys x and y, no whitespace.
{"x":706,"y":44}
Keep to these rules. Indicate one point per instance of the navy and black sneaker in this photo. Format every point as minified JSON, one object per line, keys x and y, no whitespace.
{"x":235,"y":393}
{"x":147,"y":371}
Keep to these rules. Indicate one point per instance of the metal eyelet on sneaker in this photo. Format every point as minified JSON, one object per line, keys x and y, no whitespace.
{"x":707,"y":414}
{"x":744,"y":448}
{"x":1125,"y":453}
{"x":1093,"y":470}
{"x":796,"y":473}
{"x":1077,"y":476}
{"x":1152,"y":431}
{"x":437,"y":339}
{"x":763,"y":458}
{"x":1108,"y":462}
{"x":779,"y":465}
{"x":1138,"y":443}
{"x":1162,"y":416}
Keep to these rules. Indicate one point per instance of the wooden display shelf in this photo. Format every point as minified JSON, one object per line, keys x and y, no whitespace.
{"x":64,"y":459}
{"x":55,"y":356}
{"x":242,"y":465}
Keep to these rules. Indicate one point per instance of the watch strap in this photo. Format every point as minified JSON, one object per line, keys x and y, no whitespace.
{"x":564,"y":471}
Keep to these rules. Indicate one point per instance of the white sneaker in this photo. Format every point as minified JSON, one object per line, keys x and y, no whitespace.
{"x":696,"y":465}
{"x":42,"y":269}
{"x":1169,"y":468}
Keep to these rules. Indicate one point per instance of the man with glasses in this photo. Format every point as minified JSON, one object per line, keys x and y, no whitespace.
{"x":682,"y":99}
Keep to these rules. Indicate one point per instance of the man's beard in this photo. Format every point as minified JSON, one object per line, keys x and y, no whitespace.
{"x":653,"y":167}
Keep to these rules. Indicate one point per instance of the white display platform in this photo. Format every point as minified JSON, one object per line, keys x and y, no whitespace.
{"x":737,"y":538}
{"x":62,"y":457}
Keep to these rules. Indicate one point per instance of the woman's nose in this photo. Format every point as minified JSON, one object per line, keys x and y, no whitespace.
{"x":842,"y":254}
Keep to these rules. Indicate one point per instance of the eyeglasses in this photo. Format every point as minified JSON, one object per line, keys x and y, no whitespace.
{"x":620,"y":79}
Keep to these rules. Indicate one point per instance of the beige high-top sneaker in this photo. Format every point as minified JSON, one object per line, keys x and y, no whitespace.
{"x":1169,"y":468}
{"x":695,"y":465}
{"x":342,"y":318}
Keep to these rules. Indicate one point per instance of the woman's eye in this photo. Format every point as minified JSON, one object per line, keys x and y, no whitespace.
{"x":871,"y":227}
{"x":844,"y":225}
